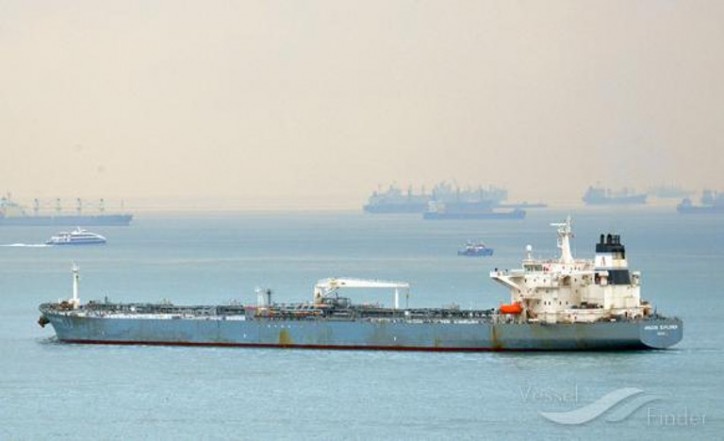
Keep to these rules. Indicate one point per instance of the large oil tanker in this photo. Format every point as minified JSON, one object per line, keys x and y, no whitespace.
{"x":559,"y":304}
{"x":447,"y":201}
{"x":395,"y":201}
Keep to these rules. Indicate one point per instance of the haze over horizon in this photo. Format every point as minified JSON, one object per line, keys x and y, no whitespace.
{"x":319,"y":103}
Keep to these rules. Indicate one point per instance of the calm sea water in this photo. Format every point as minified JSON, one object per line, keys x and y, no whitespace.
{"x":50,"y":390}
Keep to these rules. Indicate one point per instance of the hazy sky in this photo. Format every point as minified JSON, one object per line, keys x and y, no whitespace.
{"x":322,"y":101}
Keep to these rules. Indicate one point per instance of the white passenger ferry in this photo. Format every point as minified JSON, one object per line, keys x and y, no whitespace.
{"x":78,"y":236}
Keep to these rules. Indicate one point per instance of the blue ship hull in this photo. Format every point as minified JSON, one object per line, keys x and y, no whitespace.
{"x":472,"y":215}
{"x":482,"y":334}
{"x":396,"y":208}
{"x":621,"y":200}
{"x":77,"y":243}
{"x":476,"y":253}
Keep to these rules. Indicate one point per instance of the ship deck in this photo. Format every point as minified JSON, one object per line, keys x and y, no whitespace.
{"x":300,"y":311}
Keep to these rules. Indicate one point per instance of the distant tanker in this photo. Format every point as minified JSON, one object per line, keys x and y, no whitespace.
{"x":449,"y":202}
{"x":605,"y":196}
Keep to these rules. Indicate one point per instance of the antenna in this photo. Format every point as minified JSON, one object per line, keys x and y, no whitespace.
{"x":564,"y":239}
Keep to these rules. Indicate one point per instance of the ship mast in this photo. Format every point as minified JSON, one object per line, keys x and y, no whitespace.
{"x":564,"y":240}
{"x":75,"y":301}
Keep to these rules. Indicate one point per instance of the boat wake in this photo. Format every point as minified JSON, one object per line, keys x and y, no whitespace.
{"x":25,"y":245}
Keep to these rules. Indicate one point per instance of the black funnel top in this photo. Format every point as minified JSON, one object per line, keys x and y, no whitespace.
{"x":611,"y":243}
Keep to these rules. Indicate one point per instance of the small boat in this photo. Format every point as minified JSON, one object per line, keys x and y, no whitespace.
{"x":475,"y":249}
{"x":78,"y":236}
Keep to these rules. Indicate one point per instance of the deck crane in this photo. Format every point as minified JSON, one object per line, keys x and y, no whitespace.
{"x":327,"y":288}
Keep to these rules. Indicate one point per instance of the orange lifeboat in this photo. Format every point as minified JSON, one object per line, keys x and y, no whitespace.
{"x":513,"y":308}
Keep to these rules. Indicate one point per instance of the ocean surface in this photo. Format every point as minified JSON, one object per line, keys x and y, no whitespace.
{"x":55,"y":391}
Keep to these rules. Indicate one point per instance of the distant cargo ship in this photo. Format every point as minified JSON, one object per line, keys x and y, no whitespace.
{"x":560,"y":304}
{"x":14,"y":214}
{"x":394,"y":200}
{"x":711,"y":202}
{"x":605,"y":196}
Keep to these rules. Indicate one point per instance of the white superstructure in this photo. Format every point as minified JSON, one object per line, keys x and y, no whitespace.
{"x":569,"y":290}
